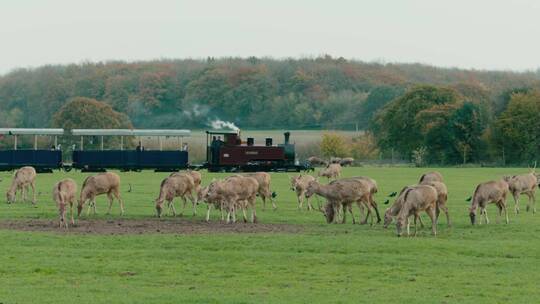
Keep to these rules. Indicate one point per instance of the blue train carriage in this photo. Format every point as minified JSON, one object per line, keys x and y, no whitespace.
{"x":136,"y":159}
{"x":43,"y":159}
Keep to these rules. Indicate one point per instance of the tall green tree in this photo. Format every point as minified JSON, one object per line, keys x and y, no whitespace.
{"x":378,"y":97}
{"x":398,"y":125}
{"x":517,"y":130}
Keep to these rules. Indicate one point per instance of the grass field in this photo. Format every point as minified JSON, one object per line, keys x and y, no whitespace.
{"x":320,"y":263}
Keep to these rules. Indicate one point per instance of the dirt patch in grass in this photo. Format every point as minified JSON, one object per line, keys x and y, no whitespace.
{"x":146,"y":226}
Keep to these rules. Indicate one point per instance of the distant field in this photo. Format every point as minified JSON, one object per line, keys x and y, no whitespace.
{"x":290,"y":257}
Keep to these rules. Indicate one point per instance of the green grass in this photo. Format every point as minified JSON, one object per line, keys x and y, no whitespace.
{"x":494,"y":263}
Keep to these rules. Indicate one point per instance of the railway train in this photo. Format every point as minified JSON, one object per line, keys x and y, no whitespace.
{"x":225,"y":152}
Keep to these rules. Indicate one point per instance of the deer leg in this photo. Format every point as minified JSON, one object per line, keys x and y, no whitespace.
{"x":33,"y":193}
{"x":433,"y":215}
{"x":172,"y":207}
{"x":229,"y":210}
{"x":208,"y":212}
{"x":120,"y":200}
{"x":505,"y":212}
{"x":23,"y":194}
{"x":448,"y":222}
{"x":244,"y":214}
{"x":368,"y":213}
{"x":228,"y":216}
{"x":484,"y":210}
{"x":274,"y":206}
{"x":222,"y":207}
{"x":415,"y":226}
{"x":374,"y":206}
{"x":300,"y":201}
{"x":421,"y":222}
{"x":110,"y":197}
{"x":499,"y":206}
{"x":253,"y":212}
{"x":94,"y":206}
{"x":233,"y":208}
{"x":360,"y":212}
{"x":169,"y":207}
{"x":184,"y":202}
{"x":89,"y":208}
{"x":60,"y":215}
{"x":516,"y":200}
{"x":530,"y":201}
{"x":336,"y":213}
{"x":71,"y":211}
{"x":481,"y":216}
{"x":352,"y":214}
{"x":310,"y":206}
{"x":371,"y":213}
{"x":408,"y":223}
{"x":533,"y":199}
{"x":344,"y":210}
{"x":190,"y":196}
{"x":64,"y":211}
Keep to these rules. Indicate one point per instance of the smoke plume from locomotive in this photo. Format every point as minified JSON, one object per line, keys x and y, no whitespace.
{"x":220,"y":124}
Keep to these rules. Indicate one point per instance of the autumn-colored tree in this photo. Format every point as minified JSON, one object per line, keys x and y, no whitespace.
{"x":87,"y":113}
{"x":364,"y":147}
{"x":333,"y":144}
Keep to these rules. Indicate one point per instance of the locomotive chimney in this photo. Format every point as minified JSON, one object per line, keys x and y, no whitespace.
{"x":287,"y":135}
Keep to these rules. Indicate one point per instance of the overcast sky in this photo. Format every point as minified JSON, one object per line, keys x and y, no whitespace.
{"x":479,"y":34}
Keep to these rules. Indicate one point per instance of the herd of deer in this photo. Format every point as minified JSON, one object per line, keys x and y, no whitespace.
{"x":239,"y":192}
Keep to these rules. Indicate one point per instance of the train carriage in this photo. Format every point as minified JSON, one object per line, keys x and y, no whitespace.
{"x":129,"y":159}
{"x":43,"y":160}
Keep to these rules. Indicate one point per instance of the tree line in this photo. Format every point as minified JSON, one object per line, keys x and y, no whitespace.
{"x":453,"y":115}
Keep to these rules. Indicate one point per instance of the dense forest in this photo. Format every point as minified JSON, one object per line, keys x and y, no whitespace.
{"x":407,"y":106}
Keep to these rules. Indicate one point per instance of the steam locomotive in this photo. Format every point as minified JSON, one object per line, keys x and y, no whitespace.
{"x":231,"y":154}
{"x":225,"y":152}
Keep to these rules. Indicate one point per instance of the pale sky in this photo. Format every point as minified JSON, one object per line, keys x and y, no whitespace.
{"x":480,"y":34}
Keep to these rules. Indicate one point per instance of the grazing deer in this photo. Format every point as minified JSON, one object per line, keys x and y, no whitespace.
{"x":24,"y":177}
{"x":64,"y":193}
{"x":486,"y":193}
